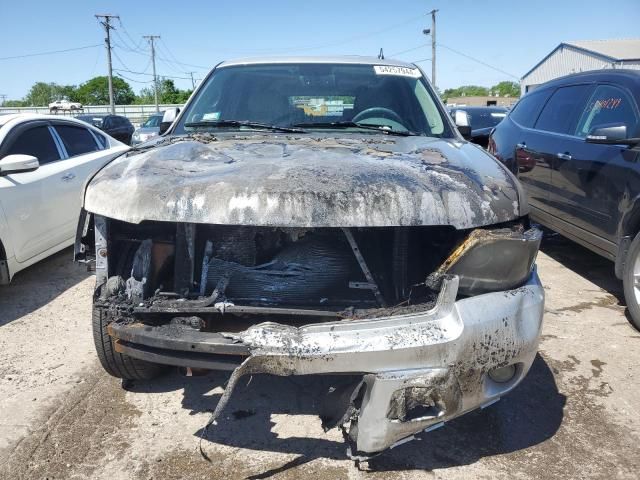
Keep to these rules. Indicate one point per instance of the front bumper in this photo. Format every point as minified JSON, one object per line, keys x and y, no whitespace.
{"x":439,"y":359}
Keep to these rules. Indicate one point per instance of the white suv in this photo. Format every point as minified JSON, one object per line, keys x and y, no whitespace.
{"x":64,"y":105}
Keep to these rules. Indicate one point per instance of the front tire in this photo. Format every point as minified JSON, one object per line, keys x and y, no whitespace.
{"x":631,"y":281}
{"x":114,"y":363}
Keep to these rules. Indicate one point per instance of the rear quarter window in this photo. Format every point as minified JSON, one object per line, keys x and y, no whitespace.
{"x":526,"y":111}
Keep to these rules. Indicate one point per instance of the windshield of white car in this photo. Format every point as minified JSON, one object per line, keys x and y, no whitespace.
{"x":376,"y":98}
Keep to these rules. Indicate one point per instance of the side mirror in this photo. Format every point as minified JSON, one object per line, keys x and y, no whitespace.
{"x":167,"y":119}
{"x":18,"y":164}
{"x":463,"y":122}
{"x":607,"y":134}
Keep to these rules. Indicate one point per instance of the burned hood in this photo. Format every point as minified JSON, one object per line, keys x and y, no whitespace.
{"x":307,"y":181}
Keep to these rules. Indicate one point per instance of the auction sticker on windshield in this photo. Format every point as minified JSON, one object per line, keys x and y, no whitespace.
{"x":400,"y":71}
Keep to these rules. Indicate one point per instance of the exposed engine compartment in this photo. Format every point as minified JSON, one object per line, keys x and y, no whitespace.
{"x":341,"y":272}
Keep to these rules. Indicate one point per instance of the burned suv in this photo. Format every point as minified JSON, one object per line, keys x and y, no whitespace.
{"x":318,"y":216}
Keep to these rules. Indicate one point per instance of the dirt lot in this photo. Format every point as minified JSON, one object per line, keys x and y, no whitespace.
{"x":576,"y":415}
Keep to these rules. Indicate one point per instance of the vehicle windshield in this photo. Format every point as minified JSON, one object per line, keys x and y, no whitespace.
{"x":485,"y":118}
{"x":316,"y":96}
{"x":153,"y":121}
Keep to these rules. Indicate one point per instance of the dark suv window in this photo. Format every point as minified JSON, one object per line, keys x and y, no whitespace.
{"x":120,"y":122}
{"x":608,"y":105}
{"x":77,"y":140}
{"x":561,"y":112}
{"x":527,"y":109}
{"x":37,"y":142}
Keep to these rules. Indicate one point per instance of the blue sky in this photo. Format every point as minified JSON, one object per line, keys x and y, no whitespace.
{"x":510,"y":35}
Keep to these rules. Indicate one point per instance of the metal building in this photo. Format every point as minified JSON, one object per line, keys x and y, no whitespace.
{"x":580,"y":56}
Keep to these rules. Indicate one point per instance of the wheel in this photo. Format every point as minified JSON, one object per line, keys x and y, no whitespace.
{"x":114,"y":363}
{"x":631,"y":281}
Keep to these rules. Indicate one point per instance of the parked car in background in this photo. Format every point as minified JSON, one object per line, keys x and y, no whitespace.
{"x":149,"y":129}
{"x":45,"y":162}
{"x":574,"y":145}
{"x":318,"y":216}
{"x":117,"y":126}
{"x":64,"y":105}
{"x":482,"y":120}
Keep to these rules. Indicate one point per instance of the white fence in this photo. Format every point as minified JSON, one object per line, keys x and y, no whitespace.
{"x":135,"y":113}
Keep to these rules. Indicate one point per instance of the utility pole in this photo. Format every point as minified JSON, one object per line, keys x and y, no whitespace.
{"x":151,"y":39}
{"x":107,"y":27}
{"x":432,"y":31}
{"x":4,"y":98}
{"x":193,"y":82}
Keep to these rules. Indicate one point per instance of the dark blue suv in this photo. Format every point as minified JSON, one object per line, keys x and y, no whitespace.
{"x":573,"y":143}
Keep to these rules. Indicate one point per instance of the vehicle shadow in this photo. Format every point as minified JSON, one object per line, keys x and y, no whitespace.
{"x":584,"y":262}
{"x":39,"y":284}
{"x":529,"y":415}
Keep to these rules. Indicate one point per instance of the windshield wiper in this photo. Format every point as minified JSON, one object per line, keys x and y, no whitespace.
{"x":242,"y":123}
{"x":366,"y":126}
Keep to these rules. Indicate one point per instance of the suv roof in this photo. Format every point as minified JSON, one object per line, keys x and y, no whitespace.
{"x":626,"y":77}
{"x":346,"y":59}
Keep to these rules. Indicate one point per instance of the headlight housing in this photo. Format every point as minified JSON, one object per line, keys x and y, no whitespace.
{"x":492,"y":260}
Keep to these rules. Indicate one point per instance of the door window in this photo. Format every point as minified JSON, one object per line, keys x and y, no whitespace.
{"x":563,"y":108}
{"x":528,"y":108}
{"x":608,"y":105}
{"x":77,"y":140}
{"x":37,"y":142}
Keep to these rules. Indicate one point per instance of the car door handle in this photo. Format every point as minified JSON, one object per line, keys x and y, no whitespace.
{"x":563,"y":156}
{"x":68,"y":177}
{"x":521,"y":146}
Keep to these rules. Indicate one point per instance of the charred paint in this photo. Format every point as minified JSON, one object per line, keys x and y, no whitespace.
{"x":280,"y":180}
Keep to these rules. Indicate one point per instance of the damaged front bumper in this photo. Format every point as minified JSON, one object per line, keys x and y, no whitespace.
{"x":418,"y":369}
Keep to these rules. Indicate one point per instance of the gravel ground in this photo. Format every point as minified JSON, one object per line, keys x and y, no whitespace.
{"x":576,"y":415}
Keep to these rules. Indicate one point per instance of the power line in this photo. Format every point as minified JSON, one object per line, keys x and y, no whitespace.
{"x":168,"y":64}
{"x":408,"y":50}
{"x":132,"y":79}
{"x":346,"y":40}
{"x":51,"y":52}
{"x":125,"y":45}
{"x":124,"y":65}
{"x":479,"y":61}
{"x":151,"y":74}
{"x":166,"y":48}
{"x":126,"y":32}
{"x":202,"y":67}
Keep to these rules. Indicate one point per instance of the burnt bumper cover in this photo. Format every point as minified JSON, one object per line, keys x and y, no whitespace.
{"x":419,"y":370}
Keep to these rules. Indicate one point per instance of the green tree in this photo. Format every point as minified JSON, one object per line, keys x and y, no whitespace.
{"x":96,"y":92}
{"x":43,"y":93}
{"x":506,"y":89}
{"x":466,"y":91}
{"x":167,"y":93}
